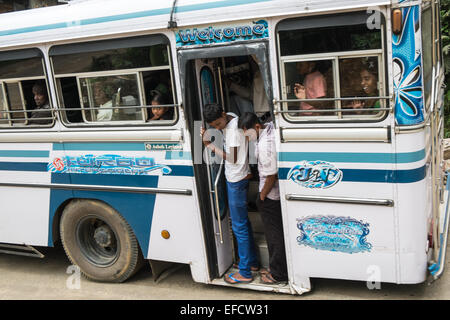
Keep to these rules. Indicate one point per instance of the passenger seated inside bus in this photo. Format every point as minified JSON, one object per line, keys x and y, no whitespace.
{"x":102,"y":100}
{"x":42,"y":113}
{"x":255,"y":93}
{"x":312,"y":84}
{"x":368,"y":72}
{"x":159,"y":113}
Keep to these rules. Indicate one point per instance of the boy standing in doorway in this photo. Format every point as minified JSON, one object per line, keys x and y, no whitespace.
{"x":269,"y":194}
{"x":237,"y":173}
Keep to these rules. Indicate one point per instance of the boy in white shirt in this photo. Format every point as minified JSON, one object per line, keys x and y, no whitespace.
{"x":237,"y":173}
{"x":269,"y":194}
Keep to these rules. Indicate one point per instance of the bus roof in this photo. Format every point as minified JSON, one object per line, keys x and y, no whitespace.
{"x":84,"y":19}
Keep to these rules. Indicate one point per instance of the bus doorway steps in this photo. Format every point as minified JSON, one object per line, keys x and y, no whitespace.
{"x":20,"y":250}
{"x":260,"y":238}
{"x":256,"y":284}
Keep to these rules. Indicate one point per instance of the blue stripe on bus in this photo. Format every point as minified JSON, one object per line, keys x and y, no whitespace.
{"x":384,"y":176}
{"x":103,"y":146}
{"x":24,"y":153}
{"x":133,"y":15}
{"x":181,"y":171}
{"x":23,"y":166}
{"x":353,"y":157}
{"x":136,"y":209}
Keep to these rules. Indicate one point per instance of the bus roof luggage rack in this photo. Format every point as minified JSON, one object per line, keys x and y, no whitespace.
{"x":20,"y":250}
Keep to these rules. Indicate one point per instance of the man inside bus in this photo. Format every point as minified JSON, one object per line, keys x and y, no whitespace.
{"x":269,"y":195}
{"x":237,"y":174}
{"x":105,"y":104}
{"x":42,"y":113}
{"x":256,"y":93}
{"x":314,"y":87}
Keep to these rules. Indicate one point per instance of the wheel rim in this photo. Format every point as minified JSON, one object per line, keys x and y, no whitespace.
{"x":97,"y":241}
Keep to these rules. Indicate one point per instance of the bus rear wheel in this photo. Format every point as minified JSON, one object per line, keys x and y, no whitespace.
{"x":99,"y":241}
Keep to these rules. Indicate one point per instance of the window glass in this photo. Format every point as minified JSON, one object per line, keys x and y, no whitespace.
{"x":158,"y":91}
{"x":3,"y":108}
{"x":15,"y":102}
{"x":438,"y":31}
{"x":329,"y":39}
{"x":109,"y":98}
{"x":312,"y":79}
{"x":359,"y":77}
{"x":69,"y":98}
{"x":427,"y":42}
{"x":332,"y":72}
{"x":23,"y":89}
{"x":96,"y":85}
{"x":115,"y":59}
{"x":11,"y":69}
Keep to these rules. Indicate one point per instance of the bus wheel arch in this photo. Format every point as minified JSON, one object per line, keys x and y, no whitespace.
{"x":99,"y":241}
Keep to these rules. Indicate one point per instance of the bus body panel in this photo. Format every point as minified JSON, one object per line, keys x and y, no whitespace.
{"x":24,"y":217}
{"x":414,"y":212}
{"x":373,"y":239}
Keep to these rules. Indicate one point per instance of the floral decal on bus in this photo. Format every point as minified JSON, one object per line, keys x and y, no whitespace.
{"x":342,"y":234}
{"x":407,"y":57}
{"x":315,"y":174}
{"x":106,"y":164}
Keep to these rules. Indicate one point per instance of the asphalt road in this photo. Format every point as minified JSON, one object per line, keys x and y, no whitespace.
{"x":35,"y":279}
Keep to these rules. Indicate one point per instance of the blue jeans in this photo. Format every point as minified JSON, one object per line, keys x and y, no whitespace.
{"x":237,"y":201}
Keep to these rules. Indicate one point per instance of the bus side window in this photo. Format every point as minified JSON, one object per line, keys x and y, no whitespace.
{"x":310,"y":79}
{"x":15,"y":102}
{"x":69,"y":99}
{"x":427,"y":49}
{"x":109,"y":81}
{"x":333,"y":62}
{"x":110,"y":98}
{"x":20,"y":72}
{"x":158,"y":91}
{"x":359,"y":77}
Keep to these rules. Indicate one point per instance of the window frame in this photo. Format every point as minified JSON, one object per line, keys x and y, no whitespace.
{"x":62,"y":109}
{"x":335,"y":56}
{"x":22,"y":55}
{"x":85,"y":109}
{"x":427,"y":8}
{"x":438,"y":34}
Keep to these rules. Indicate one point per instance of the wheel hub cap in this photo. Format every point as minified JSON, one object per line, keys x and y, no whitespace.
{"x":103,"y":236}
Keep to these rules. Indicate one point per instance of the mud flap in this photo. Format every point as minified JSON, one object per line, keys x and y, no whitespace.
{"x":162,"y":269}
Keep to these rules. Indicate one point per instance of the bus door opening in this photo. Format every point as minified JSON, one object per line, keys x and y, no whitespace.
{"x":230,"y":82}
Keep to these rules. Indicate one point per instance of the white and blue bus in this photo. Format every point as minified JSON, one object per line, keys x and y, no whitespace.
{"x":361,"y":178}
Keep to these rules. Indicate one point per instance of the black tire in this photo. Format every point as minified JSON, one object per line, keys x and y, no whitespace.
{"x":99,"y":241}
